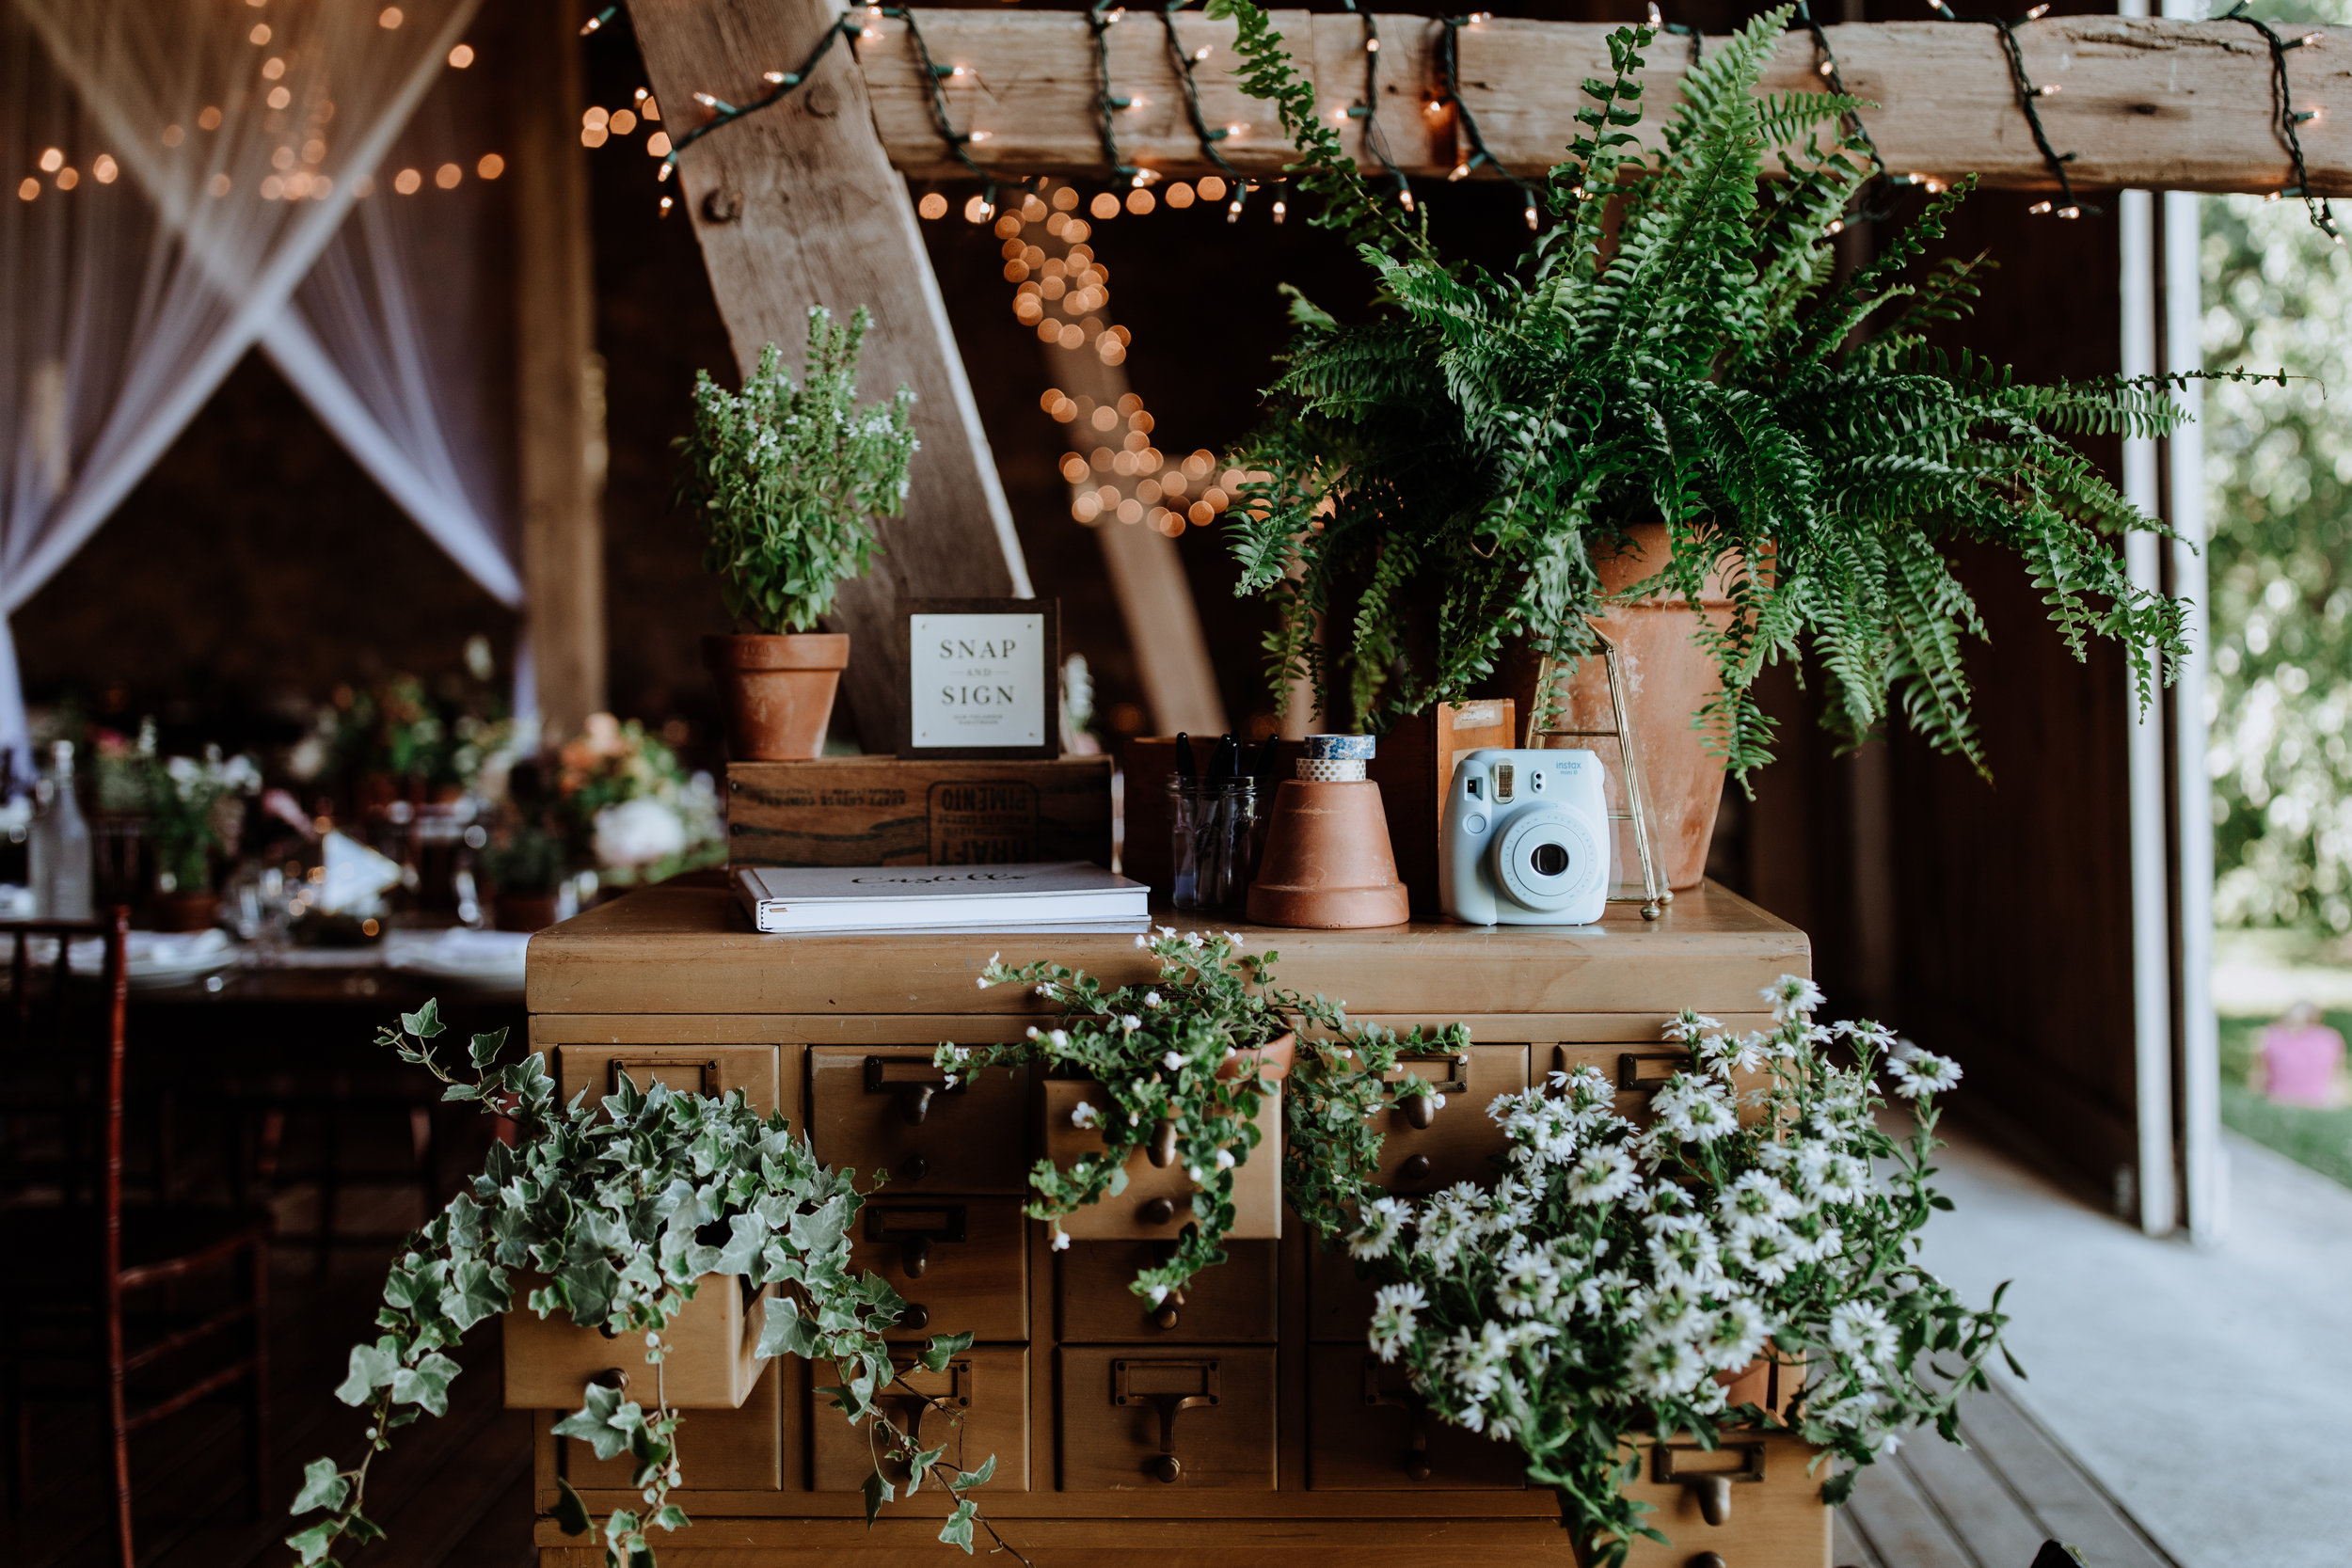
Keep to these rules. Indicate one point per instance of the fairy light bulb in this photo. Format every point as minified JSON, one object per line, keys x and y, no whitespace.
{"x":1200,"y":54}
{"x":2039,"y":208}
{"x":1232,"y":211}
{"x":1280,"y":207}
{"x":1531,"y":214}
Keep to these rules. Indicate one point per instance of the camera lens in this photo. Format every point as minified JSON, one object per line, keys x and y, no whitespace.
{"x":1550,"y":859}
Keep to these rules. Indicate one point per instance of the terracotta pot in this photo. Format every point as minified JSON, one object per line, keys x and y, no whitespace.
{"x":1327,"y":865}
{"x":187,"y":911}
{"x":1668,"y":677}
{"x":1270,"y":1061}
{"x":523,"y":912}
{"x":777,"y":692}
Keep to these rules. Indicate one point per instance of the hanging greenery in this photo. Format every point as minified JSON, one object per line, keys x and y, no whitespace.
{"x":1673,"y":348}
{"x":1184,"y":1061}
{"x":622,"y":1207}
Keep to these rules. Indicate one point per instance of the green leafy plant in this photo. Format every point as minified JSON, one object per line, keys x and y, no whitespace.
{"x":621,"y":1208}
{"x":1175,"y":1056}
{"x":524,"y":858}
{"x":1616,"y":1278}
{"x":786,"y":478}
{"x":1672,"y":349}
{"x":195,"y":807}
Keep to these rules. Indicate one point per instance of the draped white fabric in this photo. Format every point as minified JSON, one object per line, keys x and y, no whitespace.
{"x":191,"y":159}
{"x":396,"y":343}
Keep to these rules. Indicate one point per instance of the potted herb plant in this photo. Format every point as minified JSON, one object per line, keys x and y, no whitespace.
{"x":524,"y":864}
{"x":1670,"y":399}
{"x":622,"y":1209}
{"x":785,"y":481}
{"x":1178,"y":1075}
{"x":1616,"y":1281}
{"x":195,"y":811}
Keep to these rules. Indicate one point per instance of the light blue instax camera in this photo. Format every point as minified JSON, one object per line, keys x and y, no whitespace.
{"x":1526,"y":839}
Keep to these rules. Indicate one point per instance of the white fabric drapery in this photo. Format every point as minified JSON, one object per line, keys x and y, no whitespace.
{"x":393,"y":342}
{"x":190,"y":160}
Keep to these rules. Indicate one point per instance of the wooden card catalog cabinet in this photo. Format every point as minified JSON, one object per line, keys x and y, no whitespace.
{"x":1245,"y":1420}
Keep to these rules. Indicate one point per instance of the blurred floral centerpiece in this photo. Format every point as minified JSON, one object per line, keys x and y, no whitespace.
{"x":195,"y":814}
{"x":630,"y":809}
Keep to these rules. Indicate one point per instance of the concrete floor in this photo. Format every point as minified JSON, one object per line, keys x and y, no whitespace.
{"x":2206,"y":1389}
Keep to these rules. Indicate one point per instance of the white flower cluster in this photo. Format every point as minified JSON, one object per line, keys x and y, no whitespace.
{"x":1675,"y":1245}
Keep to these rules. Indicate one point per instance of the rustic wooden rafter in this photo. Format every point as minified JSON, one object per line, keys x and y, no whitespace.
{"x":2141,"y":102}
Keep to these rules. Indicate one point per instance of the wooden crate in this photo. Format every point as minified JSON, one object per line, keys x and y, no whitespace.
{"x":882,"y":811}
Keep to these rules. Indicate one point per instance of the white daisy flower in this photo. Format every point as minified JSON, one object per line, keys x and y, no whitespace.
{"x":1922,"y":1072}
{"x":1376,"y":1229}
{"x":1061,"y":1240}
{"x":1174,"y":1060}
{"x":1084,"y":1114}
{"x":1131,"y":1022}
{"x":1790,"y":996}
{"x":1393,"y":1310}
{"x":1603,"y":1175}
{"x":1150,"y":999}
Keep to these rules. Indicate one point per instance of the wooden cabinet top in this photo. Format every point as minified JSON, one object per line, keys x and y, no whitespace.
{"x":692,"y":950}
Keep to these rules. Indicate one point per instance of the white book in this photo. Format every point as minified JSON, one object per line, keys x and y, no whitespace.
{"x":936,"y":897}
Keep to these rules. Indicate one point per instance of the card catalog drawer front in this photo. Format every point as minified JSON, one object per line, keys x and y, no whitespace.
{"x":962,"y":1264}
{"x":723,"y":1450}
{"x":1426,"y":1146}
{"x":979,"y":1406}
{"x":1233,"y":1301}
{"x":1367,"y":1432}
{"x":1339,"y":1305}
{"x":1157,"y":1202}
{"x":712,"y":1069}
{"x":1775,"y":1514}
{"x":1639,"y":1071}
{"x":887,"y":1109}
{"x":1146,"y":1419}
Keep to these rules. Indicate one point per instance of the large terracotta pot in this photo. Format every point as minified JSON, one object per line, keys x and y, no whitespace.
{"x":1669,"y":677}
{"x":777,"y":692}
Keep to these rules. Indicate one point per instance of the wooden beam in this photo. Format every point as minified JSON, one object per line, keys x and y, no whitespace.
{"x":559,"y":393}
{"x":799,"y":206}
{"x":2178,"y":105}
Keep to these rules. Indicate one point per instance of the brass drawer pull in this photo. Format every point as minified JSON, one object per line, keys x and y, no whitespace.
{"x":1419,"y":1104}
{"x":1638,"y":1070}
{"x":1414,"y":1171}
{"x":914,"y":1231}
{"x":1712,"y":1488}
{"x":1202,"y":1393}
{"x":1163,"y":1150}
{"x":1158,"y":1211}
{"x":914,"y":1081}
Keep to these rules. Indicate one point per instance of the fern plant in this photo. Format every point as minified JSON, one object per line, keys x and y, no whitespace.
{"x":1674,"y":348}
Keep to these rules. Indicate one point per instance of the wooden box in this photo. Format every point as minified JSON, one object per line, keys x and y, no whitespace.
{"x":729,"y":1450}
{"x":1235,"y":1299}
{"x":869,"y":1110}
{"x":1413,"y":765}
{"x":883,"y":811}
{"x":977,"y":1405}
{"x":960,"y":1263}
{"x":1257,"y":1181}
{"x":550,"y":1360}
{"x":1136,"y":1419}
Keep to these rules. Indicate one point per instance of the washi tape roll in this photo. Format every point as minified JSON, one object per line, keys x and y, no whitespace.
{"x":1335,"y":758}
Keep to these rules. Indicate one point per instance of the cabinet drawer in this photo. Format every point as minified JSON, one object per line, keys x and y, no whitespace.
{"x":1367,"y":1432}
{"x":549,"y":1360}
{"x":1426,"y":1146}
{"x":1150,"y":1420}
{"x":713,"y":1069}
{"x":886,"y":1109}
{"x":962,"y":1264}
{"x":1233,"y":1301}
{"x":979,"y":1406}
{"x":1153,"y":1189}
{"x":1639,"y":1070}
{"x":722,"y":1451}
{"x":1776,"y":1513}
{"x":1339,"y":1305}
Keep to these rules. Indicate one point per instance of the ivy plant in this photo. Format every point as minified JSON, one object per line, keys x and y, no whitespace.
{"x":1172,"y":1053}
{"x":786,"y":480}
{"x":620,"y":1210}
{"x":1674,"y":347}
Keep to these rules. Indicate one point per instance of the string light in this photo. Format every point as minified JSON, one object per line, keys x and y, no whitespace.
{"x":1469,"y":122}
{"x":2027,"y":95}
{"x":2289,"y":119}
{"x":592,"y":24}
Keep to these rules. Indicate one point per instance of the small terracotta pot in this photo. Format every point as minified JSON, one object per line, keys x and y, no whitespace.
{"x":777,"y":692}
{"x":187,"y":911}
{"x":1270,"y":1061}
{"x":523,"y":912}
{"x":1327,"y":865}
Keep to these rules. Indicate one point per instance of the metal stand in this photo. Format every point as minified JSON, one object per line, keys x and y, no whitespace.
{"x":1655,"y":895}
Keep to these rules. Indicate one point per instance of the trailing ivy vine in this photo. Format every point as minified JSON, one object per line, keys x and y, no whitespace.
{"x":619,"y":1210}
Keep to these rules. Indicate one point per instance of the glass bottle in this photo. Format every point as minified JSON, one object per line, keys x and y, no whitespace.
{"x":61,"y":866}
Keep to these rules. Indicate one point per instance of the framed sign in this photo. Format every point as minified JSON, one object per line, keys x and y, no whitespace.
{"x":983,"y":677}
